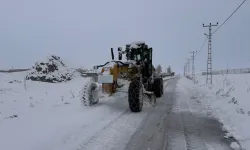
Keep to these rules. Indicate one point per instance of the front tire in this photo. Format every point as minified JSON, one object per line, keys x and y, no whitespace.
{"x":158,"y":87}
{"x":135,"y":95}
{"x":90,"y":94}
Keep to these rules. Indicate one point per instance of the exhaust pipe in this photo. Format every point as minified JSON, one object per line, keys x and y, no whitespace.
{"x":119,"y":53}
{"x":112,"y":54}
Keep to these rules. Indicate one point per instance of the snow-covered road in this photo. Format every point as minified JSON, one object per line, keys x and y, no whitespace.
{"x":178,"y":122}
{"x":51,"y":117}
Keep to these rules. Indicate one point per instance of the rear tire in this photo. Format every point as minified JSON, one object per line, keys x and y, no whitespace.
{"x":135,"y":95}
{"x":158,"y":87}
{"x":90,"y":94}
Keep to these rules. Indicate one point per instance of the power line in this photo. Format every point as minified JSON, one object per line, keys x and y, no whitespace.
{"x":202,"y":46}
{"x":185,"y":69}
{"x":193,"y":67}
{"x":188,"y":67}
{"x":229,"y":16}
{"x":209,"y":56}
{"x":220,"y":26}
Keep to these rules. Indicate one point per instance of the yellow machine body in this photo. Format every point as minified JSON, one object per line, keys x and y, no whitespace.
{"x":116,"y":71}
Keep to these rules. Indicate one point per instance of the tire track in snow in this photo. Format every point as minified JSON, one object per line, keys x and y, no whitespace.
{"x":81,"y":135}
{"x":189,"y":128}
{"x":116,"y":134}
{"x":201,"y":132}
{"x":208,"y":128}
{"x":178,"y":123}
{"x":194,"y":140}
{"x":175,"y":130}
{"x":183,"y":132}
{"x":152,"y":133}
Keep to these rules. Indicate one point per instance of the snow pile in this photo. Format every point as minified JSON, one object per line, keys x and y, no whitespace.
{"x":51,"y":70}
{"x":228,"y":100}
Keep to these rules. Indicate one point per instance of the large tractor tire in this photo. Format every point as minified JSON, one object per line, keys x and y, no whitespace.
{"x":90,"y":94}
{"x":135,"y":96}
{"x":158,"y":87}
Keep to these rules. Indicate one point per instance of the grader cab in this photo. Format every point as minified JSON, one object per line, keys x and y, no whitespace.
{"x":137,"y":68}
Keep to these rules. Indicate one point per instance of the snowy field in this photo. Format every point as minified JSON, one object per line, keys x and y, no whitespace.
{"x":228,"y":100}
{"x":38,"y":116}
{"x":45,"y":115}
{"x":33,"y":114}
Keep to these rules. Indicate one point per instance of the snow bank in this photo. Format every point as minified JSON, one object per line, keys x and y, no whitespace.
{"x":34,"y":113}
{"x":43,"y":116}
{"x":52,"y":70}
{"x":228,"y":100}
{"x":168,"y":78}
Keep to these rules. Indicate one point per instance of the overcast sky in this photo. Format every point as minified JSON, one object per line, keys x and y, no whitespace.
{"x":83,"y":31}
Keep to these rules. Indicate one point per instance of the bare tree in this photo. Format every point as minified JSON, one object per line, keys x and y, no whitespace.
{"x":158,"y":69}
{"x":169,"y":70}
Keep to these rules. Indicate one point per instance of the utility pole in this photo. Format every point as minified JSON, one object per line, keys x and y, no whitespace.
{"x":209,"y":57}
{"x":188,"y":68}
{"x":185,"y":66}
{"x":193,"y":68}
{"x":184,"y":71}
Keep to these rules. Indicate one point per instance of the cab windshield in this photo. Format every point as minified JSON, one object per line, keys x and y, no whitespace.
{"x":138,"y":57}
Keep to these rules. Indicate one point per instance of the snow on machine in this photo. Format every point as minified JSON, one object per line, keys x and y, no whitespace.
{"x":137,"y":69}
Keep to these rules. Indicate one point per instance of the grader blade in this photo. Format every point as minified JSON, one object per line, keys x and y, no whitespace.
{"x":150,"y":97}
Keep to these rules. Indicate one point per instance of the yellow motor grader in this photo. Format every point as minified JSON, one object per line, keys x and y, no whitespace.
{"x":138,"y":69}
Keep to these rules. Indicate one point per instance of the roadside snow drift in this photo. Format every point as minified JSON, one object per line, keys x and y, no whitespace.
{"x":43,"y":116}
{"x":228,"y":100}
{"x":50,"y":70}
{"x":33,"y":115}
